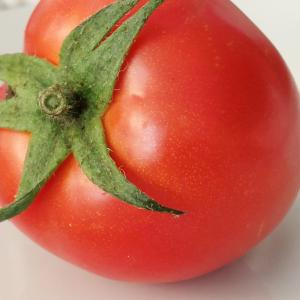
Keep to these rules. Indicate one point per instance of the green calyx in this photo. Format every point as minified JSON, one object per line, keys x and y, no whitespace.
{"x":62,"y":106}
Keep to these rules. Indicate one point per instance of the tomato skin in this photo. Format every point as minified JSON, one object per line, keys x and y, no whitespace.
{"x":2,"y":91}
{"x":205,"y":118}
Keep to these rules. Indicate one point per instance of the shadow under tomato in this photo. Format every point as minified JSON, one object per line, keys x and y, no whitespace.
{"x":253,"y":277}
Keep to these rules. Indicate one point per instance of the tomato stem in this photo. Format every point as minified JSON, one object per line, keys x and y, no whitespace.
{"x":56,"y":101}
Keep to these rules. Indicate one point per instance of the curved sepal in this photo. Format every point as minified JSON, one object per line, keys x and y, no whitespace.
{"x":107,"y":59}
{"x":26,"y":74}
{"x":20,"y":204}
{"x":96,"y":76}
{"x":17,"y":114}
{"x":46,"y":152}
{"x":86,"y":37}
{"x":89,"y":149}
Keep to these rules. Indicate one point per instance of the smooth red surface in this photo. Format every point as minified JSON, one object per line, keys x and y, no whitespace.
{"x":2,"y":92}
{"x":205,"y":118}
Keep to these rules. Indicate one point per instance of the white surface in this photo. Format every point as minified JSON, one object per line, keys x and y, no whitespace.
{"x":5,"y":4}
{"x":269,"y":272}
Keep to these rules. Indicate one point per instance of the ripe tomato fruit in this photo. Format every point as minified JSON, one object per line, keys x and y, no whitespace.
{"x":2,"y":91}
{"x":205,"y":119}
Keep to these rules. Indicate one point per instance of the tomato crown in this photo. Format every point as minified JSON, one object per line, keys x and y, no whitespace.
{"x":61,"y":106}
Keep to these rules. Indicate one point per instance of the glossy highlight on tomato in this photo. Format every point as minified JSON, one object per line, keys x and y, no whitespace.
{"x":205,"y":118}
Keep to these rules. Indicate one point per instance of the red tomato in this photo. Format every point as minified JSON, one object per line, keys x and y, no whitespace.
{"x":2,"y":91}
{"x":205,"y":118}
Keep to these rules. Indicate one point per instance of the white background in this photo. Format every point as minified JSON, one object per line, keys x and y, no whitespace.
{"x":269,"y":272}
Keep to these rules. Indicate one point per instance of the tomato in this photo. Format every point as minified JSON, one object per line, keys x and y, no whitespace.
{"x":205,"y":119}
{"x":2,"y":91}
